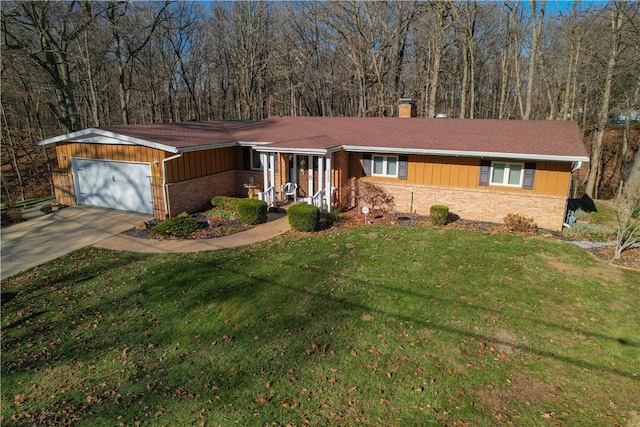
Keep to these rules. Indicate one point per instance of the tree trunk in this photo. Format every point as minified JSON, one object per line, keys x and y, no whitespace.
{"x":537,"y":31}
{"x":603,"y":116}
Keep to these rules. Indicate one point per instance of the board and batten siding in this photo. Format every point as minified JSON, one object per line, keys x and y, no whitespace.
{"x":63,"y":176}
{"x":130,"y":153}
{"x":197,"y":164}
{"x":551,"y":177}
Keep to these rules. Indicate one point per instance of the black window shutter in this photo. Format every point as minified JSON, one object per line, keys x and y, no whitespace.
{"x":403,"y":165}
{"x":366,"y":164}
{"x":276,"y":160}
{"x":485,"y":172}
{"x":529,"y":176}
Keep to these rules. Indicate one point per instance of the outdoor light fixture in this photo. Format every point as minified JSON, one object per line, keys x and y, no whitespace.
{"x":63,"y":156}
{"x":155,"y":162}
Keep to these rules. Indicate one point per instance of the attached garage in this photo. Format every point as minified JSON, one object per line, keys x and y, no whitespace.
{"x":113,"y":184}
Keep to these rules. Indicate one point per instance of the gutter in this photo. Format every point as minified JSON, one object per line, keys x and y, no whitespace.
{"x":457,"y":153}
{"x":164,"y":180}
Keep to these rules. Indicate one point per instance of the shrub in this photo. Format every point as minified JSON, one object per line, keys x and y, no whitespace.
{"x":252,"y":211}
{"x":180,"y":227}
{"x":304,"y":217}
{"x":520,"y":224}
{"x":438,"y":214}
{"x":225,"y":202}
{"x":591,"y":232}
{"x":374,"y":196}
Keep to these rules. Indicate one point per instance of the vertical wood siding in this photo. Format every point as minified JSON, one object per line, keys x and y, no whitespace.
{"x":551,"y":177}
{"x":197,"y":164}
{"x":132,"y":153}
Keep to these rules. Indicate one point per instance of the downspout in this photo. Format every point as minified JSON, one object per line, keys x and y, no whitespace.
{"x":571,"y":185}
{"x":164,"y":181}
{"x":577,"y":166}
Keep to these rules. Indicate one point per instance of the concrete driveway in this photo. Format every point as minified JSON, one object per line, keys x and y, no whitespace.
{"x":48,"y":237}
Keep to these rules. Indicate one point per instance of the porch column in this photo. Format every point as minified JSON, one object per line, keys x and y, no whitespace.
{"x":328,"y":183}
{"x":265,"y":170}
{"x":321,"y":179}
{"x":293,"y":172}
{"x":272,"y":166}
{"x":310,"y":176}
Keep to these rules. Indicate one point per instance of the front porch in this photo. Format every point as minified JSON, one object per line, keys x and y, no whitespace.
{"x":298,"y":176}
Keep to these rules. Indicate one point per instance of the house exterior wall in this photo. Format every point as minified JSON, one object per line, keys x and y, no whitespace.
{"x":454,"y":182}
{"x":195,"y":194}
{"x":340,"y":177}
{"x":63,"y":176}
{"x":198,"y":164}
{"x":481,"y":204}
{"x":191,"y":179}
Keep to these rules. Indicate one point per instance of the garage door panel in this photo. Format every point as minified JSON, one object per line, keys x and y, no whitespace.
{"x":112,"y":184}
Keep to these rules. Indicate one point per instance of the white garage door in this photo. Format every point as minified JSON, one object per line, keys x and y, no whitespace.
{"x":111,"y":184}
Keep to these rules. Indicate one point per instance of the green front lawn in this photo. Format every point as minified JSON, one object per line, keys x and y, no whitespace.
{"x":372,"y":326}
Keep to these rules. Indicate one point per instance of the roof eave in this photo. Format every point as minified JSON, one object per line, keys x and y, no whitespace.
{"x":207,"y":147}
{"x":99,"y":136}
{"x":458,"y":153}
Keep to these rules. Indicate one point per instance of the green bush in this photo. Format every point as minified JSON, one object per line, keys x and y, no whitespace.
{"x":304,"y":217}
{"x":438,"y":214}
{"x":225,"y":202}
{"x":252,"y":211}
{"x":520,"y":223}
{"x":180,"y":227}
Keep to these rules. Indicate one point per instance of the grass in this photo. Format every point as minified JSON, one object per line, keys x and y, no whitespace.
{"x":598,"y":226}
{"x":372,"y":326}
{"x":605,"y":216}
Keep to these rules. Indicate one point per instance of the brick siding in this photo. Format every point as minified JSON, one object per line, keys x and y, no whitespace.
{"x":490,"y":205}
{"x":195,"y":194}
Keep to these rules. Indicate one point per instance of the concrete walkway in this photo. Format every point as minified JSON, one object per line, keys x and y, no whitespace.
{"x":47,"y":237}
{"x":276,"y":224}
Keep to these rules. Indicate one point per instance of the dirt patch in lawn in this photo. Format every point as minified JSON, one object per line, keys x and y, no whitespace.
{"x":523,"y":389}
{"x":573,"y":270}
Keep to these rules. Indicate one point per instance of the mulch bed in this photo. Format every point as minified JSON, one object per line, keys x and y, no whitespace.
{"x":629,"y":258}
{"x":353,"y":218}
{"x":210,"y":228}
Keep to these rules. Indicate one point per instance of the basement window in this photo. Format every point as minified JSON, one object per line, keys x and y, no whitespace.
{"x":385,"y":166}
{"x":507,"y":174}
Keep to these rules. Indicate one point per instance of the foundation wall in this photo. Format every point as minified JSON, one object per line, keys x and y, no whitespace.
{"x":477,"y":204}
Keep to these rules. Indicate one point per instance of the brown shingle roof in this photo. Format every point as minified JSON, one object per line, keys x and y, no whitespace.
{"x":533,"y":138}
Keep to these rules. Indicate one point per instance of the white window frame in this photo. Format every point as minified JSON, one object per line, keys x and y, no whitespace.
{"x":252,"y":165}
{"x":507,"y":172}
{"x":385,"y":167}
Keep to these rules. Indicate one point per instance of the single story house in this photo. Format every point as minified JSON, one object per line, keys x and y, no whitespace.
{"x":482,"y":169}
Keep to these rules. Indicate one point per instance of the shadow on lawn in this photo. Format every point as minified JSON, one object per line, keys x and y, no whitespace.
{"x":432,"y":324}
{"x":573,"y":330}
{"x":168,"y":293}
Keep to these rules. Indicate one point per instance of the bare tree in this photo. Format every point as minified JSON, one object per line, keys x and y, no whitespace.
{"x":131,"y":32}
{"x":627,"y":205}
{"x":537,"y":20}
{"x":44,"y":31}
{"x":616,"y":21}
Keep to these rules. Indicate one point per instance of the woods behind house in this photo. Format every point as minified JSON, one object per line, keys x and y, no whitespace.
{"x":74,"y":64}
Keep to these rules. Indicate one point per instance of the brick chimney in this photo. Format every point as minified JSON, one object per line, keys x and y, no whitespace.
{"x":407,"y":108}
